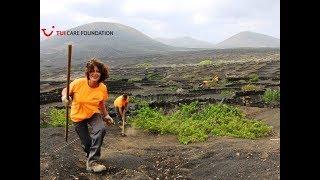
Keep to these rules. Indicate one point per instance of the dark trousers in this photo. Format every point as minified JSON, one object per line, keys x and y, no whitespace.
{"x":91,"y":145}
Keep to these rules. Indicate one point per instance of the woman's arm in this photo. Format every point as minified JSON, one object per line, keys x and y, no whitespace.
{"x":64,"y":92}
{"x":105,"y":114}
{"x":103,"y":108}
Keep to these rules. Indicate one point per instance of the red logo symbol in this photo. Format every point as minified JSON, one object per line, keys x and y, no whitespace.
{"x":45,"y":33}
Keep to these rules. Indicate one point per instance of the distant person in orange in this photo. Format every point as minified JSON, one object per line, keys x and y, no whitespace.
{"x":87,"y":99}
{"x":121,"y":106}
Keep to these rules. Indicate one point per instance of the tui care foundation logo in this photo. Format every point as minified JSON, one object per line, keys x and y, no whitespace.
{"x":52,"y":31}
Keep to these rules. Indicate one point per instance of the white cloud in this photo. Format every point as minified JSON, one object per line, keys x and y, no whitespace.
{"x":82,"y":18}
{"x":206,"y":19}
{"x":150,"y":27}
{"x":250,"y":24}
{"x":200,"y":18}
{"x":203,"y":6}
{"x":62,"y":14}
{"x":48,"y":7}
{"x":154,"y":24}
{"x":85,"y":1}
{"x":198,"y":12}
{"x":147,"y":6}
{"x":169,"y":6}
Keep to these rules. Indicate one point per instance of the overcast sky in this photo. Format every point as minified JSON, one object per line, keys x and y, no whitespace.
{"x":207,"y":20}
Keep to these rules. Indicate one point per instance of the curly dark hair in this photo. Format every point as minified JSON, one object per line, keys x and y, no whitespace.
{"x":104,"y":69}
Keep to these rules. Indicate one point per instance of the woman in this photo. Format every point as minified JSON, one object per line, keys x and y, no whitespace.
{"x":121,"y":106}
{"x":88,"y":96}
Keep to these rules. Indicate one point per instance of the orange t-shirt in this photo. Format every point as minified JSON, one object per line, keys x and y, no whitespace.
{"x":86,"y":100}
{"x":120,"y":102}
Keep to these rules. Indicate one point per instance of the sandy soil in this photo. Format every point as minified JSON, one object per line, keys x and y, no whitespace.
{"x":143,"y":155}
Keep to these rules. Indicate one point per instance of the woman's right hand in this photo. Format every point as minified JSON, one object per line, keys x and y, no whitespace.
{"x":65,"y":101}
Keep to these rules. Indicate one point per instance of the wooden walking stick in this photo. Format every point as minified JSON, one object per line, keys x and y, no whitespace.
{"x":68,"y":81}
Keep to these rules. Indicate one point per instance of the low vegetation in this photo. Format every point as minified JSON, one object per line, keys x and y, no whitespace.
{"x":115,"y":78}
{"x":250,"y":87}
{"x":135,"y":79}
{"x":271,"y":96}
{"x":193,"y":122}
{"x":227,"y":93}
{"x":154,"y":76}
{"x":138,"y":101}
{"x":205,"y":62}
{"x":57,"y":118}
{"x":172,"y":88}
{"x":144,"y":65}
{"x":254,"y":78}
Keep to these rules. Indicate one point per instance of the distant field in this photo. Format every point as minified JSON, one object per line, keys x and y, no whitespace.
{"x":173,"y":59}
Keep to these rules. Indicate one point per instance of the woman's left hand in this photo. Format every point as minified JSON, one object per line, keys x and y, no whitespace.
{"x":108,"y":120}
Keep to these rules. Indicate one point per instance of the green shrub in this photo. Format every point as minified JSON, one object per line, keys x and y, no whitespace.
{"x":212,"y":83}
{"x":154,"y":76}
{"x":223,"y":82}
{"x":115,"y":77}
{"x":57,"y":117}
{"x":194,"y":123}
{"x":145,"y":65}
{"x":44,"y":125}
{"x":205,"y":62}
{"x":135,"y":79}
{"x":227,"y":93}
{"x":250,"y":87}
{"x":271,"y":96}
{"x":172,"y":88}
{"x":138,"y":101}
{"x":254,"y":78}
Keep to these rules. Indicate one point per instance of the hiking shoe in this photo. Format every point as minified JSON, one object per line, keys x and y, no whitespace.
{"x":95,"y":167}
